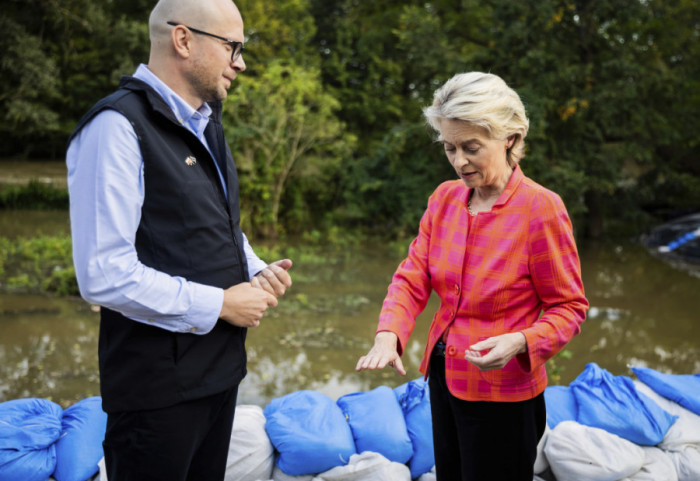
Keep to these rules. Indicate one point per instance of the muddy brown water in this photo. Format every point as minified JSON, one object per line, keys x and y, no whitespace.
{"x":643,"y":313}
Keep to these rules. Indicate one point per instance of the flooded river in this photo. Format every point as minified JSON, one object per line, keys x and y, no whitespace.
{"x":643,"y":313}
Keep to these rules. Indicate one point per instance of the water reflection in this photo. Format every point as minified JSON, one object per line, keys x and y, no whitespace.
{"x":48,"y":349}
{"x":643,"y":313}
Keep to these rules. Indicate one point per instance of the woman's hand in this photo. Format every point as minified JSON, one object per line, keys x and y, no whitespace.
{"x":383,"y":353}
{"x":501,"y":349}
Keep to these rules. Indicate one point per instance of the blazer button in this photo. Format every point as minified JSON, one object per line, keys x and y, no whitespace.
{"x":451,"y":350}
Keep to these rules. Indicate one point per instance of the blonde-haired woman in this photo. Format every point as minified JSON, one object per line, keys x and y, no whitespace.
{"x":499,"y":250}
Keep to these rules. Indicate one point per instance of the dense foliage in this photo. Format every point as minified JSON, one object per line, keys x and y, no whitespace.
{"x":326,"y":122}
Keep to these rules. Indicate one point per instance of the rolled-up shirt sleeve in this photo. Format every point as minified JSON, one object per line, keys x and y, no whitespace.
{"x":106,"y":187}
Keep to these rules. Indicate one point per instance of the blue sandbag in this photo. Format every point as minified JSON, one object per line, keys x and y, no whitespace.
{"x":414,"y":399}
{"x":612,"y":403}
{"x":80,"y":447}
{"x":29,"y":429}
{"x":377,"y":423}
{"x":683,"y":389}
{"x":309,"y":431}
{"x":561,"y":405}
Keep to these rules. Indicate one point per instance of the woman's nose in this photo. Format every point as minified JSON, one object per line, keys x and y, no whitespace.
{"x":460,"y":158}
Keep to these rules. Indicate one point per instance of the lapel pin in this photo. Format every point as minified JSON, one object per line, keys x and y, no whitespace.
{"x":191,"y":160}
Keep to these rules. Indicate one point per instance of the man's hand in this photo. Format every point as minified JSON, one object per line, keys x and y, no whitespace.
{"x":274,"y":278}
{"x":244,"y":305}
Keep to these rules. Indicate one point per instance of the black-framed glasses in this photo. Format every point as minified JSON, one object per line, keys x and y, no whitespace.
{"x":236,"y":47}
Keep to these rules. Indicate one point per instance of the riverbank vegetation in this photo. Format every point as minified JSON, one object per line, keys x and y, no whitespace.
{"x":34,"y":195}
{"x":326,"y":123}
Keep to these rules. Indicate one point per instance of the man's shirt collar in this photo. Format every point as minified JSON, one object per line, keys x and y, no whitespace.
{"x":195,"y":120}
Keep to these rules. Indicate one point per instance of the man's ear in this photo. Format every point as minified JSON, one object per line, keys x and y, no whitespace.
{"x":181,"y":38}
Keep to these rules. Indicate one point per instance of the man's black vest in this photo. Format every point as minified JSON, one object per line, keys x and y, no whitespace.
{"x":187,"y":229}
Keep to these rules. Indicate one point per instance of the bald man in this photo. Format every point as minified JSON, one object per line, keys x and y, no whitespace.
{"x":157,"y":244}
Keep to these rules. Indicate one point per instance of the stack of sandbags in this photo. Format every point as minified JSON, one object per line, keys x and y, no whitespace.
{"x":38,"y":439}
{"x":605,"y":427}
{"x":680,"y":396}
{"x":317,"y":438}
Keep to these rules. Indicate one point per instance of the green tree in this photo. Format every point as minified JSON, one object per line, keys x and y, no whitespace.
{"x":597,"y":83}
{"x":60,"y":57}
{"x":283,"y":128}
{"x":27,"y":81}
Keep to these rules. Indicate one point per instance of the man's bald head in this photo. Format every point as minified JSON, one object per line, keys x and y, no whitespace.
{"x":201,"y":14}
{"x":186,"y":57}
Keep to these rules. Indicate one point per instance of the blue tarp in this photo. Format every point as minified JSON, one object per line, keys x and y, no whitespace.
{"x":414,"y":399}
{"x":29,"y":429}
{"x":561,"y":405}
{"x":80,"y":447}
{"x":612,"y":403}
{"x":683,"y":389}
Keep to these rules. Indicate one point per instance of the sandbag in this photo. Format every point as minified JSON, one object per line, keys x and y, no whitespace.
{"x":561,"y":405}
{"x":687,"y":462}
{"x":29,"y":429}
{"x":583,"y":453}
{"x":613,"y":404}
{"x":251,"y":455}
{"x":79,"y":448}
{"x":429,"y":476}
{"x":367,"y":466}
{"x":686,"y":429}
{"x":309,"y":431}
{"x":658,"y":466}
{"x":414,"y":399}
{"x":683,"y":389}
{"x":279,"y":475}
{"x":541,"y":463}
{"x":103,"y":471}
{"x":377,"y":423}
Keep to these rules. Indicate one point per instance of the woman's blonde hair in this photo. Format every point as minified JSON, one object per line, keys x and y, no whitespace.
{"x":484,"y":100}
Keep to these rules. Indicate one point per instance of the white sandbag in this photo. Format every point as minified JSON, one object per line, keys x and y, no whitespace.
{"x":367,"y":466}
{"x":687,"y":462}
{"x":429,"y":476}
{"x":251,"y":456}
{"x":582,"y":453}
{"x":102,"y":475}
{"x":541,"y":463}
{"x":279,"y":475}
{"x":658,"y":466}
{"x":686,"y":429}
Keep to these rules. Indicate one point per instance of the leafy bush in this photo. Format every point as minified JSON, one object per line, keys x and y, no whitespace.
{"x":44,"y":263}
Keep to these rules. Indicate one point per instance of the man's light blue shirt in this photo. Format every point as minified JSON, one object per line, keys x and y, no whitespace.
{"x":106,"y":186}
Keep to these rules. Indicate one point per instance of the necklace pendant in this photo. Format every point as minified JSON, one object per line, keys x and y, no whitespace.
{"x":469,"y":208}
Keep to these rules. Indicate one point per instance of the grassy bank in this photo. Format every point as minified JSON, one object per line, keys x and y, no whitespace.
{"x":34,"y":195}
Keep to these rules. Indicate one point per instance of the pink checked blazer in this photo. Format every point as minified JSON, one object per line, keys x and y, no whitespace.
{"x":515,"y":268}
